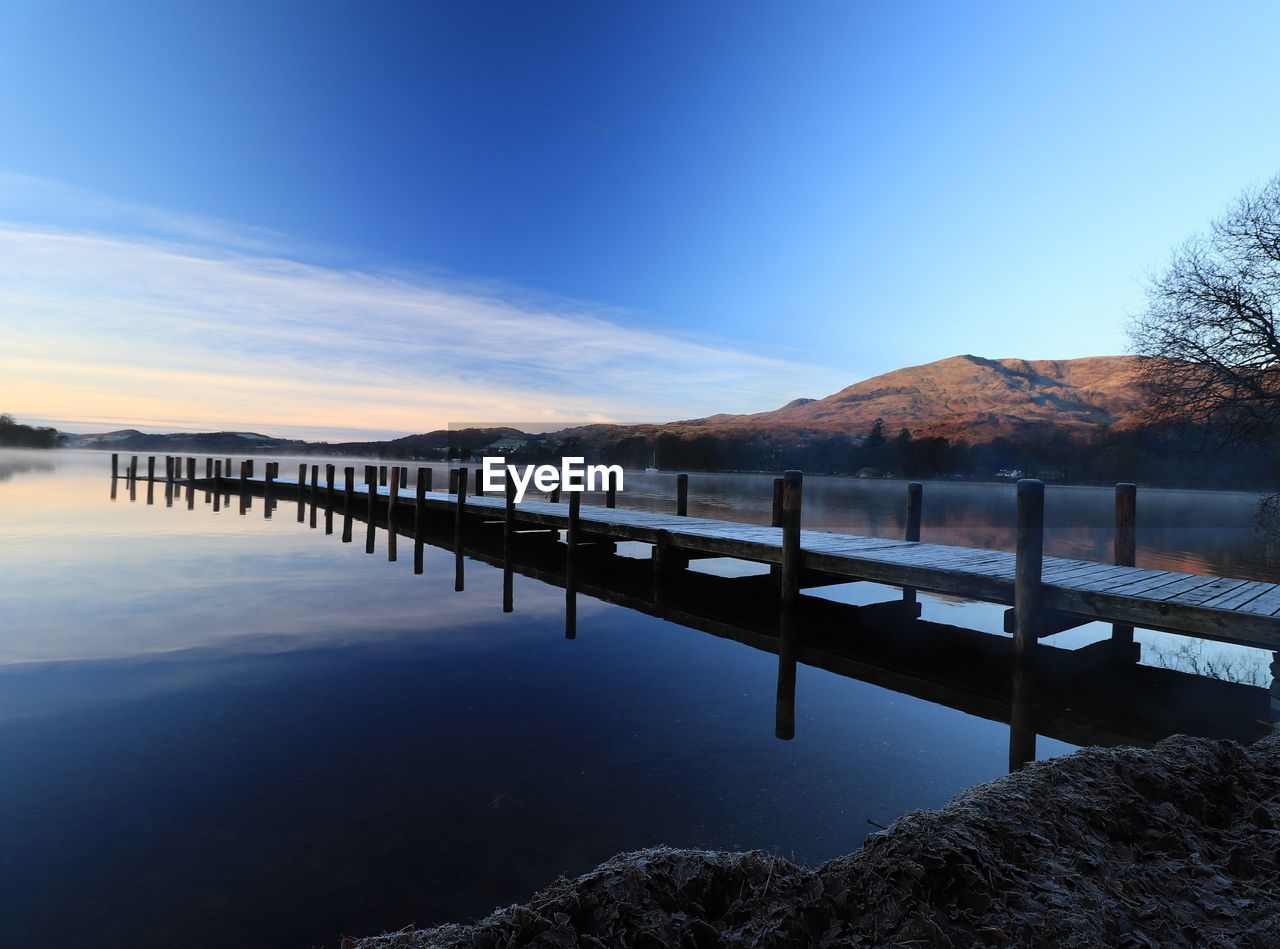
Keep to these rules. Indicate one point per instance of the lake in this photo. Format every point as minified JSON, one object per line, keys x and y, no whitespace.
{"x":231,"y":730}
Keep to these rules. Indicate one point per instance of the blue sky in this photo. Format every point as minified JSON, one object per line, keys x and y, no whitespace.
{"x":733,"y":204}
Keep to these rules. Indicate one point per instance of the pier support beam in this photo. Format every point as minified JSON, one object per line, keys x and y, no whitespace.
{"x":508,"y":540}
{"x":348,"y":502}
{"x":1125,"y":555}
{"x":115,"y":466}
{"x":682,"y":495}
{"x":792,"y":489}
{"x":915,"y":508}
{"x":611,"y":492}
{"x":1027,"y":568}
{"x":571,"y":537}
{"x":461,"y":503}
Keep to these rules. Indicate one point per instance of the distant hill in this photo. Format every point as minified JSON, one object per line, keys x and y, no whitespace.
{"x":963,"y":398}
{"x":966,"y":397}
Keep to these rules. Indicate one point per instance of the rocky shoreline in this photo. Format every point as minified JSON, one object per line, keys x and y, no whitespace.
{"x":1178,"y":845}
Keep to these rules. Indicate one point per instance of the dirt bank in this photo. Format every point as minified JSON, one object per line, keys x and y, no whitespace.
{"x":1177,"y":845}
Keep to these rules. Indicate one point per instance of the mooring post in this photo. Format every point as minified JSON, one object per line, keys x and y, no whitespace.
{"x":915,"y":506}
{"x":348,"y":502}
{"x":168,"y":468}
{"x":249,"y":462}
{"x":682,"y":495}
{"x":1126,"y":555}
{"x":151,"y":467}
{"x":394,"y":491}
{"x":459,"y":506}
{"x":302,"y":493}
{"x":453,"y":480}
{"x":245,"y":468}
{"x":115,"y":466}
{"x":329,"y":472}
{"x":208,"y":467}
{"x":792,"y":491}
{"x":1029,"y":561}
{"x":611,"y":493}
{"x":191,"y":470}
{"x":133,"y":468}
{"x":428,"y":472}
{"x":227,"y":467}
{"x":217,"y":485}
{"x":508,"y":538}
{"x":382,"y":475}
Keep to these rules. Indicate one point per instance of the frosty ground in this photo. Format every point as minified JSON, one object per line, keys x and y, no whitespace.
{"x":1178,"y":845}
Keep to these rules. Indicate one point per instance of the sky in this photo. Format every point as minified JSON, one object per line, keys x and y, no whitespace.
{"x":337,"y":220}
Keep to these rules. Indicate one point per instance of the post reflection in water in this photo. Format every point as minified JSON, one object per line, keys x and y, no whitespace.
{"x":1076,"y":696}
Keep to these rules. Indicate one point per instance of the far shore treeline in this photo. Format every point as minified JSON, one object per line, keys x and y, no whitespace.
{"x":1157,"y":455}
{"x":16,"y":435}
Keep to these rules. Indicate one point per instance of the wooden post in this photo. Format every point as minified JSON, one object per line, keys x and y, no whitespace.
{"x":382,"y":475}
{"x":404,"y":476}
{"x":151,"y":467}
{"x":571,"y":566}
{"x":245,"y":467}
{"x":611,"y":492}
{"x":371,"y":486}
{"x":348,"y":502}
{"x":453,"y":480}
{"x":477,"y":487}
{"x":302,"y":494}
{"x":459,"y":507}
{"x":217,"y":485}
{"x":226,"y":466}
{"x":915,"y":505}
{"x":792,"y":493}
{"x":427,"y":472}
{"x":168,"y":468}
{"x":1027,"y":568}
{"x":133,"y":468}
{"x":394,"y":491}
{"x":419,"y":516}
{"x":775,"y":519}
{"x":249,"y":462}
{"x":1125,"y":555}
{"x":191,"y":470}
{"x":682,"y":495}
{"x":330,"y":471}
{"x":115,"y":466}
{"x":208,"y":467}
{"x":508,"y":538}
{"x":269,"y":481}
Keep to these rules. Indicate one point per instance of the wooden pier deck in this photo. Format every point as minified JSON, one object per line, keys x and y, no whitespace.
{"x":1058,"y":593}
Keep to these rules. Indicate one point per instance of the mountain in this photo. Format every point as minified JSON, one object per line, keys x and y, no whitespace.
{"x":965,"y":397}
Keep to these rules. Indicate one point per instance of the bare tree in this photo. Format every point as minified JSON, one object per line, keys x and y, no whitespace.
{"x":1209,"y":331}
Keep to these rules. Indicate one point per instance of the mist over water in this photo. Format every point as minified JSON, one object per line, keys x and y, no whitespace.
{"x":231,"y":730}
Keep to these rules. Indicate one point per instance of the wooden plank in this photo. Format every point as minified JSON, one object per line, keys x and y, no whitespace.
{"x":1234,"y":599}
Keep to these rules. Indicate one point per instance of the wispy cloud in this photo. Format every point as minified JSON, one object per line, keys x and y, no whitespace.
{"x":209,"y":329}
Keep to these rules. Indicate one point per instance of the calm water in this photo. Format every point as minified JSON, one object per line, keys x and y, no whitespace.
{"x":225,"y":730}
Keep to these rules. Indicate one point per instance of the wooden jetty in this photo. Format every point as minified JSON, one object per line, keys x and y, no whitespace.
{"x":1047,"y":594}
{"x":1080,"y":696}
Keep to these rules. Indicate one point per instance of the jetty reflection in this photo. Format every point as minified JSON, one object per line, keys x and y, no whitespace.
{"x":1079,"y":696}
